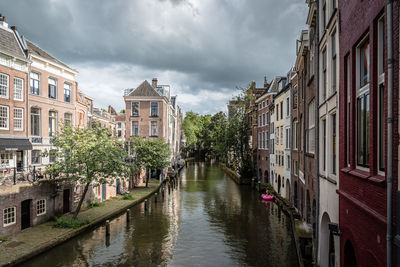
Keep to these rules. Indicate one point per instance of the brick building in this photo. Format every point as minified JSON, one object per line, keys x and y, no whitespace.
{"x":263,"y":144}
{"x":328,"y":115}
{"x":14,"y":67}
{"x":363,"y":135}
{"x":51,"y":102}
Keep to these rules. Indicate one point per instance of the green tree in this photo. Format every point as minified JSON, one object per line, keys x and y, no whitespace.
{"x":191,"y":127}
{"x":218,"y":129}
{"x":152,"y":154}
{"x":88,"y":156}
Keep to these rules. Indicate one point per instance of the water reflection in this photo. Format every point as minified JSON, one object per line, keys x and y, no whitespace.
{"x":204,"y":219}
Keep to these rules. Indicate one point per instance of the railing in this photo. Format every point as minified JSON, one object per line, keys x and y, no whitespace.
{"x":14,"y":175}
{"x":36,"y":140}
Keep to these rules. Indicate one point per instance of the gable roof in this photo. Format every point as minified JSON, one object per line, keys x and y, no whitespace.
{"x":144,"y":89}
{"x":37,"y":51}
{"x":9,"y":44}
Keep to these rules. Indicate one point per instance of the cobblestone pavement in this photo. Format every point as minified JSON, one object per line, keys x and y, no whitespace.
{"x":37,"y":239}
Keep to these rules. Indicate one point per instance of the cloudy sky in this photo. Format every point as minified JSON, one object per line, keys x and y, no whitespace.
{"x":204,"y":49}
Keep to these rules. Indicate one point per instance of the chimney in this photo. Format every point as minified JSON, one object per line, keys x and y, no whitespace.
{"x":14,"y":28}
{"x":3,"y":21}
{"x":266,"y":84}
{"x":154,"y":82}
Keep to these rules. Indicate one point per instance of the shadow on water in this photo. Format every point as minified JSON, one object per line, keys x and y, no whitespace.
{"x":205,"y":220}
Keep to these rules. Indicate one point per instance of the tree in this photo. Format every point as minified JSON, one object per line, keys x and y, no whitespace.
{"x":190,"y":126}
{"x":150,"y":153}
{"x":218,"y":129}
{"x":88,"y":156}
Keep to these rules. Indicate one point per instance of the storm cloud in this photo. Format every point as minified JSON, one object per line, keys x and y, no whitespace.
{"x":204,"y":49}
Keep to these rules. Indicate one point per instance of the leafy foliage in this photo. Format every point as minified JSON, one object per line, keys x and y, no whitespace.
{"x":153,"y":154}
{"x":70,"y":222}
{"x":225,"y":138}
{"x":88,"y":156}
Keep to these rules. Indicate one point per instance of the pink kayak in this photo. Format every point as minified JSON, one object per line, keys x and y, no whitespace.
{"x":267,"y":197}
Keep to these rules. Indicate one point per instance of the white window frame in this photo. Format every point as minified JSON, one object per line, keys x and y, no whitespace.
{"x":132,"y":127}
{"x":6,"y":86}
{"x":157,"y":109}
{"x":150,"y":128}
{"x":7,"y":118}
{"x":6,"y":211}
{"x":138,"y":113}
{"x":311,"y":127}
{"x":5,"y":158}
{"x":16,"y":89}
{"x":21,"y":119}
{"x":41,"y":205}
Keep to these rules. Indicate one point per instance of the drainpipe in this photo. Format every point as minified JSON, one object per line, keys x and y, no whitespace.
{"x":317,"y":134}
{"x":389,"y":174}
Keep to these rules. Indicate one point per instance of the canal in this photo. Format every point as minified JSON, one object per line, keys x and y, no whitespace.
{"x":206,"y":220}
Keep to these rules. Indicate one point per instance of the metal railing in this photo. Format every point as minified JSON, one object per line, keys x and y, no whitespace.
{"x":15,"y":175}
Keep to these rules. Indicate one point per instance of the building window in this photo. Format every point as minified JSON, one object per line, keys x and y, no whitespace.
{"x":35,"y":121}
{"x":4,"y":80}
{"x":263,"y":119}
{"x":311,"y":128}
{"x":277,"y":112}
{"x":36,"y":157}
{"x":348,"y":88}
{"x":266,"y":140}
{"x":154,"y":109}
{"x":363,"y":113}
{"x":4,"y":117}
{"x":154,"y":128}
{"x":52,"y":155}
{"x":18,"y":119}
{"x":287,"y":138}
{"x":311,"y":42}
{"x":294,"y":101}
{"x":68,"y":119}
{"x":119,"y":124}
{"x":277,"y":136}
{"x":364,"y":64}
{"x":67,"y":92}
{"x":41,"y":207}
{"x":333,"y":143}
{"x":281,"y":110}
{"x":81,"y":115}
{"x":259,"y":141}
{"x":135,"y":128}
{"x":381,"y":95}
{"x":266,"y":118}
{"x":324,"y":78}
{"x":9,"y":216}
{"x":323,"y":145}
{"x":287,"y":107}
{"x":35,"y":83}
{"x":263,"y":140}
{"x":18,"y":89}
{"x":53,"y":88}
{"x":135,"y":109}
{"x":281,"y":141}
{"x":5,"y":158}
{"x":52,"y":123}
{"x":294,"y":135}
{"x":334,"y":63}
{"x":288,"y":162}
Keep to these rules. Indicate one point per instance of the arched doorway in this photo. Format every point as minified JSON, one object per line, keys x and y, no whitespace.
{"x":327,"y":243}
{"x":349,"y":255}
{"x":266,"y":180}
{"x":279,"y":184}
{"x":288,"y":190}
{"x":295,"y":194}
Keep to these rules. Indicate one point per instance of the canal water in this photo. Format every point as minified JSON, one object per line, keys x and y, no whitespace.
{"x":206,"y":220}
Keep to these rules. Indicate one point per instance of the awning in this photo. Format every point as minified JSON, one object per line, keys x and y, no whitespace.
{"x":15,"y":144}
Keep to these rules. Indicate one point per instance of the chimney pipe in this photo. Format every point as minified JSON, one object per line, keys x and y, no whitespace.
{"x":3,"y":18}
{"x":14,"y":28}
{"x":154,"y":82}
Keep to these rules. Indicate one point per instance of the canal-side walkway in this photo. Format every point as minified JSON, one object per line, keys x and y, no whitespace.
{"x":35,"y":240}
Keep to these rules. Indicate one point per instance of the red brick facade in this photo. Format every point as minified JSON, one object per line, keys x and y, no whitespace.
{"x":362,"y":189}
